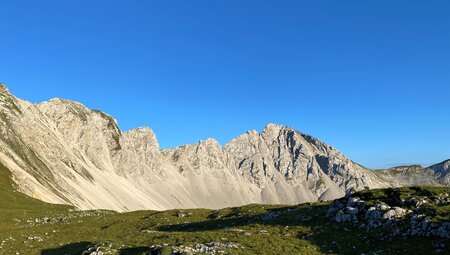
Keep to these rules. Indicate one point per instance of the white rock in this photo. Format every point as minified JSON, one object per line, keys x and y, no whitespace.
{"x":62,"y":152}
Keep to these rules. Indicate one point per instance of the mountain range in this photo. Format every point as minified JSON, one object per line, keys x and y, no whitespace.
{"x":60,"y":151}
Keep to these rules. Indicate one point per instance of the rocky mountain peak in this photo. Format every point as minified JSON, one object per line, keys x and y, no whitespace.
{"x":58,"y":107}
{"x":6,"y":93}
{"x":252,"y":132}
{"x":211,"y":142}
{"x":63,"y":111}
{"x":273,"y":131}
{"x":271,"y":127}
{"x":143,"y":135}
{"x":9,"y":105}
{"x":142,"y":130}
{"x":60,"y":151}
{"x":57,"y":101}
{"x":442,"y":169}
{"x":445,"y":164}
{"x":4,"y":89}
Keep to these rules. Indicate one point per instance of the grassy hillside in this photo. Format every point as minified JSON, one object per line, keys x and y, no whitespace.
{"x":28,"y":226}
{"x":17,"y":205}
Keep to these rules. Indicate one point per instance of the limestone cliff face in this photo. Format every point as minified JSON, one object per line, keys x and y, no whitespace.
{"x":62,"y":152}
{"x":442,"y":170}
{"x":281,"y":154}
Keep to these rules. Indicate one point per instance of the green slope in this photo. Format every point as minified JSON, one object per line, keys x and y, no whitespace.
{"x":17,"y":205}
{"x":28,"y":226}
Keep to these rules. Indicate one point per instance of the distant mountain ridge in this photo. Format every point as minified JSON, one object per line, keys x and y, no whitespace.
{"x":59,"y":151}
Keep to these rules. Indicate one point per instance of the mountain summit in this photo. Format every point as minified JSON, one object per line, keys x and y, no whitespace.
{"x":62,"y":152}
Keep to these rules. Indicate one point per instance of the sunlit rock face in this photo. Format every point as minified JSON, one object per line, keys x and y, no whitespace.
{"x":62,"y":152}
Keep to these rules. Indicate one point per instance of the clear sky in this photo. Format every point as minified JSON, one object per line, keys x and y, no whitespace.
{"x":371,"y":78}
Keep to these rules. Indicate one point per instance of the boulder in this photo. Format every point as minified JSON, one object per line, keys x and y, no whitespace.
{"x":395,"y":213}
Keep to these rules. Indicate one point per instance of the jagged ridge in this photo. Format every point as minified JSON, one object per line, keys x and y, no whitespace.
{"x":62,"y":152}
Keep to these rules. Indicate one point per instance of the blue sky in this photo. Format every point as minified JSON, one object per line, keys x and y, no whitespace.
{"x":371,"y":78}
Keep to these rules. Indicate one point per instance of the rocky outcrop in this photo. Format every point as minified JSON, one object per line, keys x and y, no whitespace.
{"x":414,"y":216}
{"x":62,"y":152}
{"x":208,"y":248}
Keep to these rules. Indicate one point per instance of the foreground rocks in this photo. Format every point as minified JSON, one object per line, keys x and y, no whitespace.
{"x":208,"y":248}
{"x":414,"y":216}
{"x":166,"y":249}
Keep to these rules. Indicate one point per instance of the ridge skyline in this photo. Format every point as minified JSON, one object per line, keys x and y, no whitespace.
{"x":382,"y":103}
{"x":60,"y":151}
{"x":222,"y":143}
